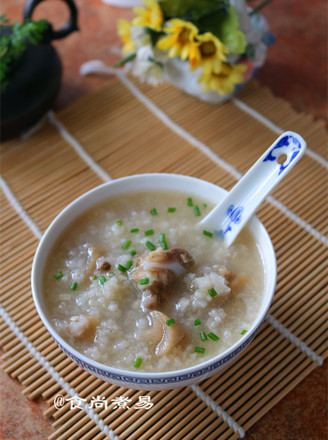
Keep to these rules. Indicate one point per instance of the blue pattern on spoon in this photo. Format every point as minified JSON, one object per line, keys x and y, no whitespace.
{"x":229,"y":217}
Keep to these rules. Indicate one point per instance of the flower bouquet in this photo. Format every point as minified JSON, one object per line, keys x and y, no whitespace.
{"x":208,"y":48}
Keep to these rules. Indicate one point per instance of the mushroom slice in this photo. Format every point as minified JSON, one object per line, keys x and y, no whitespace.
{"x":83,"y":327}
{"x":164,"y":336}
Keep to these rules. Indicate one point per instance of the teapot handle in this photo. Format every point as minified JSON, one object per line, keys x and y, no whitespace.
{"x":69,"y":27}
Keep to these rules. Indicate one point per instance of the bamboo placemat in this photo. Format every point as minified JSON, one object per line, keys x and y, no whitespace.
{"x":128,"y":128}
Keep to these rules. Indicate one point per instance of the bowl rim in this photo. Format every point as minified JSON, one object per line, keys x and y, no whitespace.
{"x":80,"y":202}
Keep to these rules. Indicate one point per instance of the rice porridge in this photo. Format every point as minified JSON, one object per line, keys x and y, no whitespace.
{"x":136,"y":283}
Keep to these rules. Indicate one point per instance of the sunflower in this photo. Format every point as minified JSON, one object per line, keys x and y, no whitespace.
{"x":224,"y":81}
{"x":124,"y":31}
{"x":150,"y":17}
{"x":181,"y":39}
{"x":210,"y":53}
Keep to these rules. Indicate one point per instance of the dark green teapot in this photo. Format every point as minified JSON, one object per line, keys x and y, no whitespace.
{"x":34,"y":79}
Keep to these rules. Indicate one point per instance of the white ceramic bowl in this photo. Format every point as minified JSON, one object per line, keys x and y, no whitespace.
{"x":146,"y":380}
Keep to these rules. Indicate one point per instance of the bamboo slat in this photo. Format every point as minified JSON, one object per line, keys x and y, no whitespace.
{"x":124,"y":137}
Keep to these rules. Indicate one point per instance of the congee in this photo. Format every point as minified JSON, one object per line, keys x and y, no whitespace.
{"x":136,"y":283}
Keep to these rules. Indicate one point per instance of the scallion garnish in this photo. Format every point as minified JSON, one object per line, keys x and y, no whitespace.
{"x":133,"y":231}
{"x":197,"y":322}
{"x":144,"y":281}
{"x":203,"y":336}
{"x":111,"y":274}
{"x":189,"y":201}
{"x":129,"y":264}
{"x":200,"y":350}
{"x":126,"y":244}
{"x":132,"y":252}
{"x":149,"y":232}
{"x":121,"y":268}
{"x":119,"y":223}
{"x":170,"y":322}
{"x":102,"y":280}
{"x":212,"y":292}
{"x":208,"y":234}
{"x":162,"y":241}
{"x":243,"y":332}
{"x":196,"y":211}
{"x":58,"y":275}
{"x":153,"y":211}
{"x":137,"y":362}
{"x":213,"y":336}
{"x":204,"y":205}
{"x":171,"y":209}
{"x":74,"y":286}
{"x":150,"y":245}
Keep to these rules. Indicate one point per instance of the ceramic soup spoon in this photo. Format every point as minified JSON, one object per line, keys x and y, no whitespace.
{"x":229,"y":217}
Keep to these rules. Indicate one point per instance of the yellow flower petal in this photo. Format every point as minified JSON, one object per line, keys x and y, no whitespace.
{"x":211,"y":53}
{"x":225,"y":81}
{"x":180,"y":39}
{"x":124,"y":32}
{"x":151,"y":16}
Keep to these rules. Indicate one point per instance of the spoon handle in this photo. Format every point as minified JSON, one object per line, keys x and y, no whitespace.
{"x":230,"y":216}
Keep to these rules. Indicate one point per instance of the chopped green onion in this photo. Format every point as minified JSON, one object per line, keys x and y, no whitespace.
{"x":243,"y":332}
{"x":134,"y":230}
{"x":208,"y":234}
{"x":162,"y":241}
{"x":144,"y":281}
{"x":171,"y":209}
{"x":121,"y":268}
{"x":102,"y":280}
{"x":58,"y":275}
{"x":111,"y":274}
{"x":189,"y":201}
{"x":149,"y":232}
{"x":164,"y":245}
{"x":150,"y":245}
{"x":126,"y":244}
{"x":74,"y":286}
{"x":197,"y":322}
{"x":119,"y":223}
{"x":213,"y":336}
{"x":153,"y":211}
{"x":132,"y":252}
{"x":170,"y":322}
{"x":196,"y":211}
{"x":204,"y":205}
{"x":203,"y":336}
{"x":200,"y":350}
{"x":137,"y":362}
{"x":129,"y":264}
{"x":212,"y":292}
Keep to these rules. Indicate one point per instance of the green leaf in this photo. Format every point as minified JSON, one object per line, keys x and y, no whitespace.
{"x":12,"y":46}
{"x":153,"y":35}
{"x":226,"y":27}
{"x":230,"y":35}
{"x":192,"y":10}
{"x":120,"y":64}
